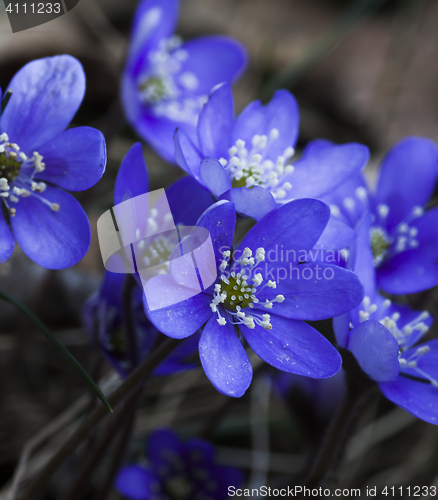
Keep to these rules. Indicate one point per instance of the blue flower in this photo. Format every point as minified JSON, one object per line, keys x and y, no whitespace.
{"x":106,"y":324}
{"x":384,"y":339}
{"x":38,"y":156}
{"x":259,"y":297}
{"x":176,"y":469}
{"x":103,"y":313}
{"x":403,"y":233}
{"x":248,"y":160}
{"x":166,"y":82}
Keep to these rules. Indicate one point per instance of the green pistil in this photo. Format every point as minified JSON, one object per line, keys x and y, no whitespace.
{"x":242,"y":181}
{"x":379,"y":243}
{"x":240,"y":299}
{"x":9,"y":167}
{"x":153,"y":89}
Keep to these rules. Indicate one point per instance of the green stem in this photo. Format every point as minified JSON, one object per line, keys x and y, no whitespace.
{"x":361,"y":9}
{"x":57,"y":345}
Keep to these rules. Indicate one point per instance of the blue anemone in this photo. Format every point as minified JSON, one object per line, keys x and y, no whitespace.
{"x":166,"y":82}
{"x":404,"y":232}
{"x":38,"y":156}
{"x":248,"y":160}
{"x":176,"y":469}
{"x":263,"y":294}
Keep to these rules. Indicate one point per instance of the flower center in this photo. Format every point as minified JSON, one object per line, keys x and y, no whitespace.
{"x":17,"y":173}
{"x":249,"y":168}
{"x":237,"y":291}
{"x":380,"y":244}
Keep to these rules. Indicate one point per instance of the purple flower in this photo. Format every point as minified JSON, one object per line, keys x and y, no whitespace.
{"x":403,"y":233}
{"x":176,"y":469}
{"x":384,"y":339}
{"x":166,"y":82}
{"x":106,"y":324}
{"x":38,"y":156}
{"x":259,"y":299}
{"x":248,"y":160}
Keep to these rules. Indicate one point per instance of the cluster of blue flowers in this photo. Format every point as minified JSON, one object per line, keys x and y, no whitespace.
{"x":305,"y":209}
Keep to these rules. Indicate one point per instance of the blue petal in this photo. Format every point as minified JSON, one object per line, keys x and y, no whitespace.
{"x":187,"y":155}
{"x":295,"y":225}
{"x":7,"y":241}
{"x":407,"y":178}
{"x":336,"y":235}
{"x":376,"y":350}
{"x":54,"y":240}
{"x":214,"y":176}
{"x":417,"y":398}
{"x":255,"y":202}
{"x":361,"y":256}
{"x":187,"y":201}
{"x":341,"y":327}
{"x":281,"y":114}
{"x":75,"y":159}
{"x":294,"y":347}
{"x":213,"y":60}
{"x":224,"y":359}
{"x":312,"y":291}
{"x":220,"y":220}
{"x":154,"y":20}
{"x":325,"y":166}
{"x":410,"y":272}
{"x":132,"y":178}
{"x":215,"y":123}
{"x":136,"y":483}
{"x":46,"y":94}
{"x":184,"y":318}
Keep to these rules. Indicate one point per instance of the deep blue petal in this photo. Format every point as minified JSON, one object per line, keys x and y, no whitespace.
{"x":184,"y":318}
{"x":7,"y":241}
{"x":162,"y":446}
{"x":46,"y":93}
{"x":224,"y":359}
{"x":187,"y":201}
{"x":220,"y":220}
{"x":137,"y":483}
{"x":280,"y":113}
{"x":407,"y":178}
{"x":325,"y":166}
{"x":294,"y":347}
{"x":132,"y":178}
{"x":213,"y":60}
{"x":75,"y":159}
{"x":255,"y":202}
{"x":154,"y":20}
{"x":295,"y":225}
{"x":410,"y":272}
{"x":417,"y":398}
{"x":54,"y":240}
{"x":428,"y":362}
{"x":336,"y":235}
{"x":214,"y":176}
{"x":187,"y":155}
{"x":341,"y":327}
{"x":376,"y":350}
{"x":215,"y":123}
{"x":312,"y":291}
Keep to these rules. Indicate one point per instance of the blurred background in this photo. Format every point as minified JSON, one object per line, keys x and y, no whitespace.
{"x":362,"y":71}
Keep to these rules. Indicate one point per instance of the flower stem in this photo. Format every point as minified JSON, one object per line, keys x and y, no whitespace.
{"x":57,"y":345}
{"x":97,"y":415}
{"x":359,"y":389}
{"x":129,"y":286}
